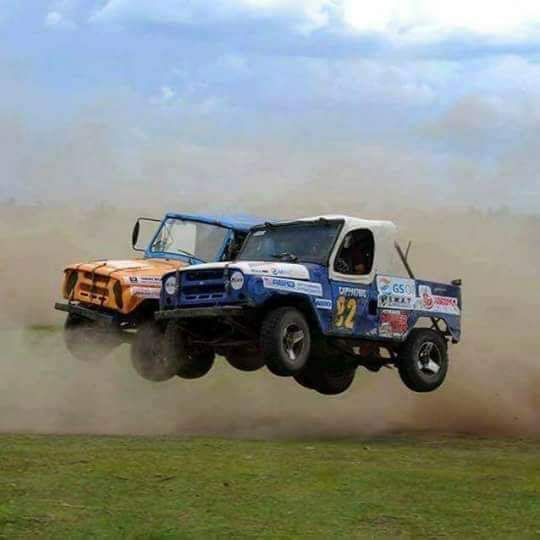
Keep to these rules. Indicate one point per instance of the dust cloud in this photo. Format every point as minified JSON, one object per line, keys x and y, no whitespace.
{"x":493,"y":385}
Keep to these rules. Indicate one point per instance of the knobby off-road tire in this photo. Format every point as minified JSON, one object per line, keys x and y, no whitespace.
{"x":328,"y":380}
{"x":332,"y":382}
{"x":423,"y":360}
{"x":245,"y":360}
{"x":192,"y":363}
{"x":285,"y":341}
{"x":86,"y":340}
{"x":148,"y":355}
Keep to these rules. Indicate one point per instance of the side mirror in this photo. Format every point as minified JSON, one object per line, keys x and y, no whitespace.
{"x":135,"y":234}
{"x":148,"y":231}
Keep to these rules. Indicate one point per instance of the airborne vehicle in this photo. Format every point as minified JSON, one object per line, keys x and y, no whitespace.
{"x":314,"y":299}
{"x":113,"y":301}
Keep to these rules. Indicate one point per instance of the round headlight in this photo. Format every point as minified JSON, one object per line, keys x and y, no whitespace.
{"x":237,"y":280}
{"x":170,"y":285}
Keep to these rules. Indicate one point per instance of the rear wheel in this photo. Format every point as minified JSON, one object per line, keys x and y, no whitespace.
{"x":329,"y":380}
{"x":148,"y":355}
{"x":245,"y":359}
{"x":285,"y":341}
{"x":193,"y":362}
{"x":87,"y":340}
{"x":423,"y":360}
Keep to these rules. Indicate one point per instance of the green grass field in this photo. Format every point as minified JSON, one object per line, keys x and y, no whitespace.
{"x":408,"y":486}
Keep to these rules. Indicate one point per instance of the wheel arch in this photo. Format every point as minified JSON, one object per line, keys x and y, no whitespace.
{"x":445,"y":325}
{"x":298,"y":301}
{"x":144,"y":311}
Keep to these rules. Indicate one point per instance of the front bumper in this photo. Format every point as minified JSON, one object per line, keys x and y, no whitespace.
{"x":200,"y":312}
{"x":81,"y":311}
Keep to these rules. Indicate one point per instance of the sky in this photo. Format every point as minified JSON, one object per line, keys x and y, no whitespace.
{"x":411,"y":94}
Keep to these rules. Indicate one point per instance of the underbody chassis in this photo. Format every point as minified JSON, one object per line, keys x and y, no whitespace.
{"x":223,"y":328}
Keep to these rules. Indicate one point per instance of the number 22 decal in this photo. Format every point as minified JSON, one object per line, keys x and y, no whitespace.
{"x":345,"y":312}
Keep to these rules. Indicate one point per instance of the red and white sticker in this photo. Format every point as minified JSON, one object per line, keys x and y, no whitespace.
{"x":393,"y":323}
{"x":435,"y":303}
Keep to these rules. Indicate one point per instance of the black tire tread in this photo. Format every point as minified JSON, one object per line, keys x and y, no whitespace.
{"x":190,"y":366}
{"x":406,"y":369}
{"x":332,"y":383}
{"x":141,"y":352}
{"x":270,"y":343}
{"x":245,"y":360}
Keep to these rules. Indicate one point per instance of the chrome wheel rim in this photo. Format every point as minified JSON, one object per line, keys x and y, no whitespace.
{"x":293,"y":339}
{"x":429,"y":360}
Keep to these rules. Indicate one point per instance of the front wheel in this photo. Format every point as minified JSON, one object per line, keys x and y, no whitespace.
{"x":148,"y":355}
{"x":285,"y":341}
{"x":192,"y":362}
{"x":423,"y":360}
{"x":86,"y":340}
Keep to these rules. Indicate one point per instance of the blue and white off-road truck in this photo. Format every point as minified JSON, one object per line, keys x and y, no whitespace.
{"x":313,"y":298}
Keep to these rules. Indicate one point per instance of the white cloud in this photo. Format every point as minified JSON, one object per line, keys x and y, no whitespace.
{"x":400,"y":19}
{"x":55,"y":19}
{"x":304,"y":15}
{"x":167,"y":93}
{"x":312,"y":13}
{"x":165,"y":96}
{"x":425,"y":19}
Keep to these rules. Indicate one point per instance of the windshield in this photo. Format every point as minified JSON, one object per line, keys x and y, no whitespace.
{"x":198,"y":240}
{"x":297,"y":242}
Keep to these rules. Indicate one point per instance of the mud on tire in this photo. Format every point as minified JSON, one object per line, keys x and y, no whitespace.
{"x":423,"y":360}
{"x":192,"y":363}
{"x":285,"y":341}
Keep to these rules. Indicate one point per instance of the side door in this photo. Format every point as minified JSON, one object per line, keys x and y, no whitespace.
{"x":352,"y":280}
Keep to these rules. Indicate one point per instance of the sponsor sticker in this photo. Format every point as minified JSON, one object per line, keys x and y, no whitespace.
{"x":396,"y":286}
{"x":398,"y":302}
{"x":145,"y":292}
{"x":143,"y":280}
{"x":323,"y":303}
{"x":400,"y":293}
{"x":237,"y":280}
{"x":353,"y":291}
{"x":286,"y":270}
{"x":292,"y":285}
{"x":427,"y":301}
{"x":393,"y":324}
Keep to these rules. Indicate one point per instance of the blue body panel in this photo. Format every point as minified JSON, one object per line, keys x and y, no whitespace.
{"x":385,"y":309}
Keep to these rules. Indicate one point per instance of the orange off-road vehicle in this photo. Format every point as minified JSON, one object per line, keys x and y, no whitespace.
{"x":113,"y":301}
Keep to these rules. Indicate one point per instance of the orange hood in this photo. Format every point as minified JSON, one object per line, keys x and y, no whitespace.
{"x":120,"y":285}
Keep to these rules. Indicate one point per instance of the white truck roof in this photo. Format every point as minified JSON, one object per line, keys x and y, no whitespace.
{"x":386,"y":259}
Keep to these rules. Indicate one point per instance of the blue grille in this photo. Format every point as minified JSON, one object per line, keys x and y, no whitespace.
{"x":202,"y":286}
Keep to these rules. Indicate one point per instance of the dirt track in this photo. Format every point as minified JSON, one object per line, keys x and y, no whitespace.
{"x":493,"y":386}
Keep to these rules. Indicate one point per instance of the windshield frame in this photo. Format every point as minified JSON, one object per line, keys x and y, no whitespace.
{"x":298,"y":223}
{"x":190,"y":258}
